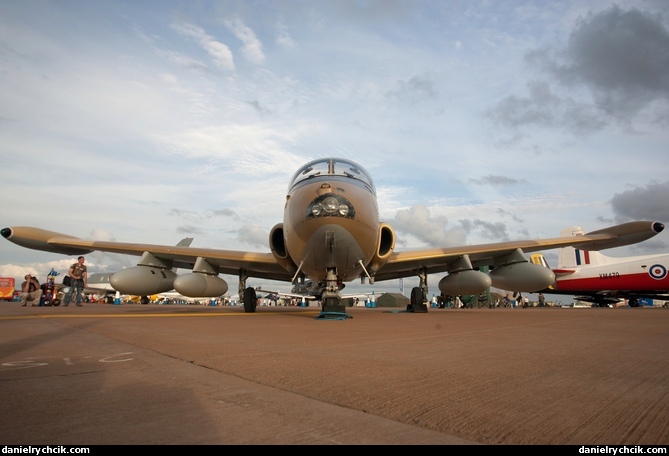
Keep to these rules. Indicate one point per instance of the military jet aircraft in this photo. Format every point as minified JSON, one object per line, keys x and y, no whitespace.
{"x":331,"y":234}
{"x":603,"y":280}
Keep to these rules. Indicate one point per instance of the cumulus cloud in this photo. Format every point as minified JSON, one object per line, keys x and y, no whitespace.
{"x":433,"y":231}
{"x":617,"y":57}
{"x":621,"y":56}
{"x":543,"y":108}
{"x":488,"y":230}
{"x":253,"y":235}
{"x":650,"y":202}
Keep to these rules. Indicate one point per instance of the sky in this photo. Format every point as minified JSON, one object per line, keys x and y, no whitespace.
{"x":479,"y":121}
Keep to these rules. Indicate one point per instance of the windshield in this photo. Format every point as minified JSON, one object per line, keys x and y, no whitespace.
{"x":332,"y":167}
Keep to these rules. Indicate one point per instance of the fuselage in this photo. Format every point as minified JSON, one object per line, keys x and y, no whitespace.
{"x":331,"y":219}
{"x":648,"y":274}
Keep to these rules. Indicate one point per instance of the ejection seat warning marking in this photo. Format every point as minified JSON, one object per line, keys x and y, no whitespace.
{"x":30,"y":362}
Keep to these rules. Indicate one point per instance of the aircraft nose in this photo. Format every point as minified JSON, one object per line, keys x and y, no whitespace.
{"x":6,"y":232}
{"x":657,"y":227}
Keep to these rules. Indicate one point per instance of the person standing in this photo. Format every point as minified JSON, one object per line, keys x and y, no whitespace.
{"x":30,"y":291}
{"x":79,"y":277}
{"x":542,"y":300}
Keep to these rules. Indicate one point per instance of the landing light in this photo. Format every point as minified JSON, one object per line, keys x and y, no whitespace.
{"x":330,"y":205}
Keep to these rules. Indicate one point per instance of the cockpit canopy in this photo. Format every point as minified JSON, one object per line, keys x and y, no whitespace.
{"x":337,"y":167}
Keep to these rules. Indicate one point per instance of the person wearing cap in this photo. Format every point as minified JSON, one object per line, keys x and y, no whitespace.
{"x":30,"y":291}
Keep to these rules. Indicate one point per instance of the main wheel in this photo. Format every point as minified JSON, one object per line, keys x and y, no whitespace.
{"x":417,"y":297}
{"x":144,"y":300}
{"x":250,"y":300}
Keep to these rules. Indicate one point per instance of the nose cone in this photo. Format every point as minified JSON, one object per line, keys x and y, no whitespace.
{"x":657,"y":227}
{"x":6,"y":233}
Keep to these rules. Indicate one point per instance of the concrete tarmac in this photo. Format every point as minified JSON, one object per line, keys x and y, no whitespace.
{"x":150,"y":374}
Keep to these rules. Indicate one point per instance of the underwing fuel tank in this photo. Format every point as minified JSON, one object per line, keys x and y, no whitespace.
{"x":464,"y":283}
{"x":196,"y":285}
{"x":143,"y":281}
{"x":522,"y":277}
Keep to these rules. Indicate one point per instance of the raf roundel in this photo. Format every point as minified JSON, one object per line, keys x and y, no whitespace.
{"x":658,"y":272}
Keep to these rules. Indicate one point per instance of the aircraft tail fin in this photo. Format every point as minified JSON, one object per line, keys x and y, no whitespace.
{"x":538,"y":258}
{"x":185,"y":242}
{"x":571,"y":257}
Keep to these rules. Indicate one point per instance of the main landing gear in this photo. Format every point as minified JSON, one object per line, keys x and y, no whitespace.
{"x":250,"y":299}
{"x":417,"y":304}
{"x":247,"y":294}
{"x":418,"y":294}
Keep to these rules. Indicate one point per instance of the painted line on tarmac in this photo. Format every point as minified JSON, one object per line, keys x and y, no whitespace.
{"x":156,"y":315}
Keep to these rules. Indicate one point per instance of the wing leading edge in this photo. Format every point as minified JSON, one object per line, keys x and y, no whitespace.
{"x":261,"y":265}
{"x":264,"y":265}
{"x":432,"y":261}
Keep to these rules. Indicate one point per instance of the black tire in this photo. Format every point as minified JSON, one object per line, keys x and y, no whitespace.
{"x":144,"y":300}
{"x":417,"y":296}
{"x":250,"y":300}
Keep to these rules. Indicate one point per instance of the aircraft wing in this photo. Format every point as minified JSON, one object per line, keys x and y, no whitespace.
{"x":431,"y":261}
{"x":264,"y":265}
{"x":261,"y":265}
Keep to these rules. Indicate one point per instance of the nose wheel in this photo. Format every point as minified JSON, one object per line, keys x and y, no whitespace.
{"x":331,"y":299}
